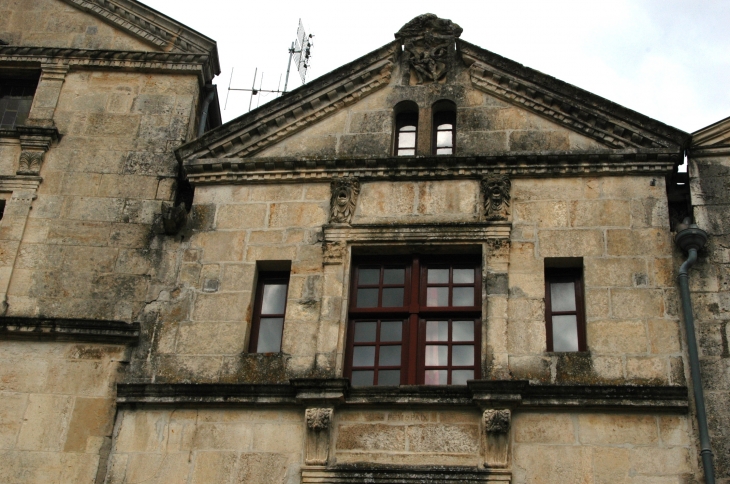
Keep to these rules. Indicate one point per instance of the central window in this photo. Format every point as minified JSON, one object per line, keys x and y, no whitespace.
{"x":414,"y":320}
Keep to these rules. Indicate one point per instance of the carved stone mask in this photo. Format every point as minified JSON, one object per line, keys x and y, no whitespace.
{"x":344,"y":199}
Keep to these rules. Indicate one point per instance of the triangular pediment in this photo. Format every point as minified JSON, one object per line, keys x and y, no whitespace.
{"x":715,"y":135}
{"x":502,"y":107}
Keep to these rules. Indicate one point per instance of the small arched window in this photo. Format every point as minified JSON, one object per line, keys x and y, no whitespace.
{"x":444,"y":128}
{"x":406,"y":128}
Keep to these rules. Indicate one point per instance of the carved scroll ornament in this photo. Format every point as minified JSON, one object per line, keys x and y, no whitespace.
{"x":344,"y":200}
{"x":496,"y":191}
{"x":428,"y":40}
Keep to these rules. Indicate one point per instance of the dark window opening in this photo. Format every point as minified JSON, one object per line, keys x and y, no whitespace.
{"x":406,"y":128}
{"x":564,"y":309}
{"x":2,"y":208}
{"x":16,"y":98}
{"x":444,"y":128}
{"x":414,"y":320}
{"x":267,"y":325}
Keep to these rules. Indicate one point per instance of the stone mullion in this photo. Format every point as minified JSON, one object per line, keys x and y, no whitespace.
{"x":12,"y":230}
{"x":47,"y":94}
{"x":495,"y":289}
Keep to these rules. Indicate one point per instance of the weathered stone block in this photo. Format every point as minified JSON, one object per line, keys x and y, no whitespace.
{"x":543,"y":428}
{"x":220,"y":246}
{"x":283,"y":215}
{"x":641,"y":242}
{"x":221,"y":306}
{"x":45,"y":421}
{"x":618,"y":337}
{"x":443,"y":438}
{"x":570,"y":243}
{"x":637,"y":303}
{"x":617,"y":429}
{"x":650,"y":369}
{"x":365,"y":437}
{"x":549,"y":215}
{"x":591,"y":213}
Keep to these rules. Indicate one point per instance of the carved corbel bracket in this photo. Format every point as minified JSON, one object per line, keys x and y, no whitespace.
{"x":496,"y":431}
{"x":496,"y":193}
{"x":343,"y":200}
{"x":34,"y":142}
{"x":319,"y":423}
{"x":334,"y":252}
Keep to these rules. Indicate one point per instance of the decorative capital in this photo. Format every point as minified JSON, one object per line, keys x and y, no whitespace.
{"x":428,"y":40}
{"x":496,"y":192}
{"x":497,"y":421}
{"x":30,"y":162}
{"x":318,"y":418}
{"x":343,"y":200}
{"x":334,"y":252}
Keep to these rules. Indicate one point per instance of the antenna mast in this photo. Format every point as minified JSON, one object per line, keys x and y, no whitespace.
{"x":300,"y":51}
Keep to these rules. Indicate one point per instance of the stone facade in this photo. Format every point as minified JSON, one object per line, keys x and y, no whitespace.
{"x":130,"y":303}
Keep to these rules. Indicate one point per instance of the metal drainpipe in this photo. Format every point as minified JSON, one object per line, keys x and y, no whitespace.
{"x":691,"y":238}
{"x":204,"y":114}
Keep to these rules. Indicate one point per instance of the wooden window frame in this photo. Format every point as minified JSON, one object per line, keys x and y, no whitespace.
{"x":434,"y":134}
{"x":406,"y":118}
{"x":414,"y":313}
{"x":264,"y":278}
{"x":574,"y":275}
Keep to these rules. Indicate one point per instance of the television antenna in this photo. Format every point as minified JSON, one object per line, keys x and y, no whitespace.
{"x":300,"y":51}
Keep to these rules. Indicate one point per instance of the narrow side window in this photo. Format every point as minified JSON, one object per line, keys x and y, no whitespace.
{"x":444,"y":128}
{"x":16,"y":97}
{"x":267,"y":325}
{"x":406,"y":129}
{"x":564,"y":309}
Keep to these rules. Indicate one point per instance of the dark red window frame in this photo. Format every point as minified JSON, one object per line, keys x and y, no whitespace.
{"x":414,"y":313}
{"x":574,"y":275}
{"x":264,"y":278}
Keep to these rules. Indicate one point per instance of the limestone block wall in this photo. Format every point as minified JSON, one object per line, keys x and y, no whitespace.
{"x":53,"y":23}
{"x":56,"y":410}
{"x":89,"y":247}
{"x":710,"y":287}
{"x":619,"y":226}
{"x":201,"y":446}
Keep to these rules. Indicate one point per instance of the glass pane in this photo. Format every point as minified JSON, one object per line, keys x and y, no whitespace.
{"x":444,"y":151}
{"x":362,"y":378}
{"x":368,"y":276}
{"x":444,"y":139}
{"x":393,"y":297}
{"x":274,"y":300}
{"x":406,"y":140}
{"x":407,"y":152}
{"x":562,"y":296}
{"x":565,"y":333}
{"x":363,"y":356}
{"x":437,"y":330}
{"x":365,"y":332}
{"x":389,"y":378}
{"x":367,"y":298}
{"x":389,"y":356}
{"x":391,"y":331}
{"x":463,"y":276}
{"x":437,"y":296}
{"x":408,"y":128}
{"x":459,"y":377}
{"x":445,"y":127}
{"x":463,"y":296}
{"x":436,"y":377}
{"x":437,"y":355}
{"x":462,"y":331}
{"x":270,"y":335}
{"x":462,"y":355}
{"x":394,"y":276}
{"x":438,"y":276}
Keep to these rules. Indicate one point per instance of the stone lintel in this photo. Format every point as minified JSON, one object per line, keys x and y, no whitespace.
{"x":503,"y":394}
{"x":475,"y":232}
{"x":434,"y":474}
{"x":52,"y":329}
{"x":213,"y":171}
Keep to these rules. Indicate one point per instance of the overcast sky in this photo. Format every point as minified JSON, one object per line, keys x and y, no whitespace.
{"x":667,"y":59}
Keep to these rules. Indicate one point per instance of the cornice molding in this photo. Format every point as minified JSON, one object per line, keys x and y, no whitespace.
{"x":413,"y":233}
{"x":55,"y":329}
{"x":710,"y":136}
{"x":207,"y":171}
{"x":294,"y":117}
{"x":11,"y":183}
{"x":588,"y":114}
{"x":117,"y":59}
{"x":433,"y":474}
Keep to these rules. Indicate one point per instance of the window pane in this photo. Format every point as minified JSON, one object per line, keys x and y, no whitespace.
{"x":389,"y":356}
{"x":406,"y":152}
{"x":270,"y":335}
{"x":444,"y":127}
{"x":274,"y":300}
{"x":444,"y":151}
{"x":368,"y":277}
{"x":406,"y":140}
{"x":394,"y":276}
{"x":367,"y":298}
{"x":463,"y":296}
{"x":436,"y":377}
{"x":393,"y":297}
{"x":459,"y":377}
{"x":437,"y":355}
{"x":365,"y":332}
{"x":391,"y":331}
{"x":437,"y":296}
{"x":438,"y":276}
{"x":565,"y":333}
{"x":437,"y":330}
{"x":463,"y":276}
{"x":363,"y":356}
{"x":408,"y":128}
{"x":389,"y":378}
{"x":462,"y":355}
{"x":562,"y":296}
{"x":444,"y":139}
{"x":462,"y":331}
{"x":362,"y":378}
